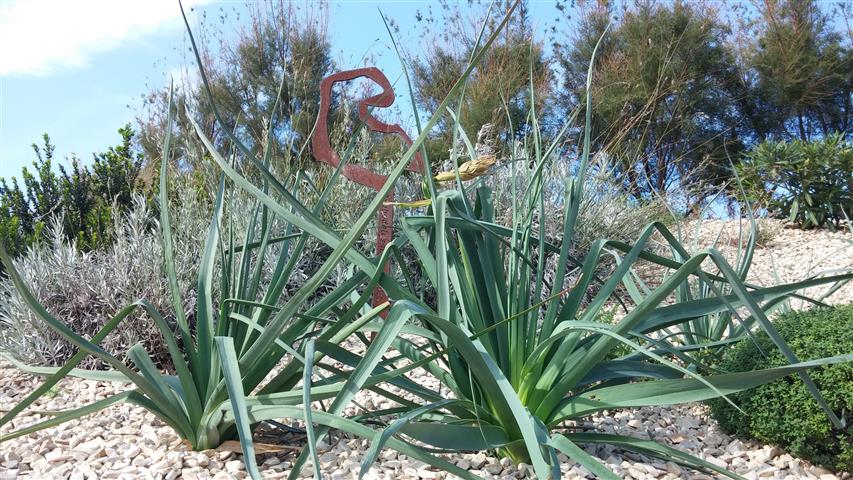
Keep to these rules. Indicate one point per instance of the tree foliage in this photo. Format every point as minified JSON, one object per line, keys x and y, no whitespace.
{"x":803,"y":71}
{"x":664,"y":105}
{"x":498,"y":91}
{"x":86,"y":197}
{"x":272,"y":67}
{"x":808,"y":183}
{"x":683,"y":90}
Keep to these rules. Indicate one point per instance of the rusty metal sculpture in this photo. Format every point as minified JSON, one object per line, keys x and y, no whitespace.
{"x":323,"y":151}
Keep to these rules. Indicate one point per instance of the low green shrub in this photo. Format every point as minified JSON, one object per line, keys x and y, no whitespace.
{"x":783,"y":412}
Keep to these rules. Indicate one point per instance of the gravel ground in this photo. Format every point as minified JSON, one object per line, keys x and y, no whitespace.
{"x":783,"y":254}
{"x":125,"y":442}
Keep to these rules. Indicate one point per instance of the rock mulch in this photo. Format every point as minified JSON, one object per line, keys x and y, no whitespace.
{"x":125,"y":442}
{"x":784,"y":254}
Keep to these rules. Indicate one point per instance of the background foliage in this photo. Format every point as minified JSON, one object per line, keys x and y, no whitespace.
{"x":87,"y":198}
{"x":808,"y":183}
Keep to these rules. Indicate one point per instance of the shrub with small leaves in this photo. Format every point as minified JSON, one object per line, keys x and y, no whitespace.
{"x":88,"y":198}
{"x":783,"y":412}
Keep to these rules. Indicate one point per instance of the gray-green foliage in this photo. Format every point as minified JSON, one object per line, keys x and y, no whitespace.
{"x":714,"y":332}
{"x":88,"y":287}
{"x":605,"y":211}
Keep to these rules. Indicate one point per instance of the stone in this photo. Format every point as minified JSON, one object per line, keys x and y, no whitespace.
{"x":427,"y":474}
{"x":131,"y":452}
{"x":477,"y":461}
{"x":187,"y":474}
{"x":234,"y":466}
{"x":56,"y":455}
{"x":766,"y":472}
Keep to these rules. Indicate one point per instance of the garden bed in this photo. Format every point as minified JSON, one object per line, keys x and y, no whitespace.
{"x":127,"y":442}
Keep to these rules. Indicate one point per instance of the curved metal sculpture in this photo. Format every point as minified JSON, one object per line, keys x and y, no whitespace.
{"x":323,"y":152}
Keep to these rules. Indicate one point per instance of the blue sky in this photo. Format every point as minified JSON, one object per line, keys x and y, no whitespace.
{"x":77,"y":70}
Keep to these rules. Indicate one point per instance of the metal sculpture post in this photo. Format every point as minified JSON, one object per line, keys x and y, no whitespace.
{"x":323,"y":151}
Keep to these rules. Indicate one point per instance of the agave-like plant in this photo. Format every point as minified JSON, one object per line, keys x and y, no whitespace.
{"x":250,"y":331}
{"x":242,"y":325}
{"x":713,"y":332}
{"x":246,"y":324}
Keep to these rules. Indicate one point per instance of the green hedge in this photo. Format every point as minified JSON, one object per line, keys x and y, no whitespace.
{"x":783,"y":412}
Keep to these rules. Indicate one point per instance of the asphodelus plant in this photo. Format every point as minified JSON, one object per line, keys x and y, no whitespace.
{"x":517,"y":351}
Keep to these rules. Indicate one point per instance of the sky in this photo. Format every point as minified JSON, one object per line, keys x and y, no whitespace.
{"x":78,"y":70}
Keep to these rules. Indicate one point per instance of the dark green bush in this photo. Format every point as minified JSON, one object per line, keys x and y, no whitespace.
{"x":85,"y":197}
{"x":807,"y":182}
{"x":783,"y":412}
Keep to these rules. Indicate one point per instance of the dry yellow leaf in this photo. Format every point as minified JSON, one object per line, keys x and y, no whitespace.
{"x":469,"y":170}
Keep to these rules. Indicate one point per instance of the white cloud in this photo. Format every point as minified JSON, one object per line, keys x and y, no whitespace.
{"x":41,"y":37}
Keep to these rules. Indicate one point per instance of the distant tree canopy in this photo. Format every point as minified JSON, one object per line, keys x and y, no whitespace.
{"x":803,"y":71}
{"x":498,"y":91}
{"x":273,"y":66}
{"x":676,"y":100}
{"x":681,"y":91}
{"x":664,"y":86}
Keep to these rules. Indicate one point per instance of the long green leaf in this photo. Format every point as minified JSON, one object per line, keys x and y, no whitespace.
{"x":668,"y":392}
{"x":231,"y":372}
{"x":563,"y":444}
